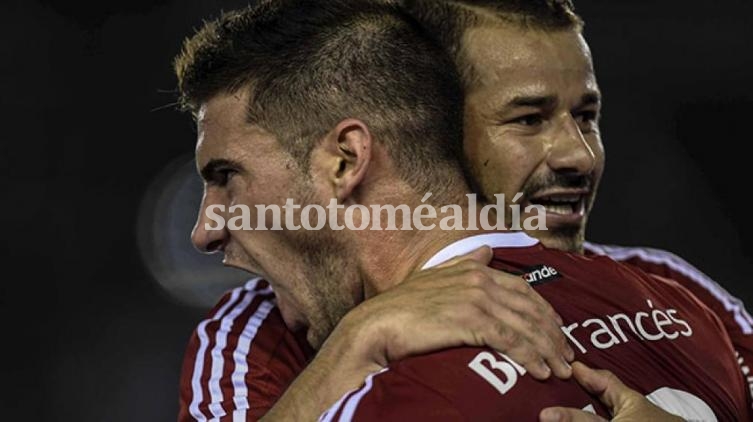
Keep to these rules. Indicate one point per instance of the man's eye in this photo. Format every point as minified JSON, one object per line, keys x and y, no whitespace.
{"x":587,"y":120}
{"x":223,"y":176}
{"x":528,"y":120}
{"x":586,"y":116}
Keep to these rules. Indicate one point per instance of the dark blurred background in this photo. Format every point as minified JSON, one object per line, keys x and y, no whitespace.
{"x":98,"y":304}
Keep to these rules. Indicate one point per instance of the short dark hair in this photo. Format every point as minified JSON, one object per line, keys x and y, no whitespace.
{"x":309,"y":64}
{"x":449,"y":20}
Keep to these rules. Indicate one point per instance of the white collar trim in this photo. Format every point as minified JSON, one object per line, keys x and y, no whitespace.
{"x":468,"y":244}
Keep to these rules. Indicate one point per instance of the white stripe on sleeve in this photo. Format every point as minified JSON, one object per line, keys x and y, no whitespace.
{"x":656,"y":256}
{"x":352,"y":404}
{"x":240,"y":390}
{"x":218,"y":362}
{"x":198,"y":367}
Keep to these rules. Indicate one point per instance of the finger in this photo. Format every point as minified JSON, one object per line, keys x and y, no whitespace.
{"x":537,"y":322}
{"x":611,"y":391}
{"x":543,"y":343}
{"x":536,"y":350}
{"x":517,"y":283}
{"x":564,"y":414}
{"x":526,"y":357}
{"x":504,"y":330}
{"x":592,"y":380}
{"x":483,"y":255}
{"x":527,"y":343}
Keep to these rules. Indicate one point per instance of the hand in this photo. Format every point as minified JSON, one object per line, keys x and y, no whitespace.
{"x":625,"y":404}
{"x":462,"y":302}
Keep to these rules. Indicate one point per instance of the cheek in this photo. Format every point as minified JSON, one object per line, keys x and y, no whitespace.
{"x":598,"y":149}
{"x":507,"y":163}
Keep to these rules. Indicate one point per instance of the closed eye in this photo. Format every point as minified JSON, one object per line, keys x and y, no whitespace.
{"x":222,"y":176}
{"x":218,"y":172}
{"x":528,"y":120}
{"x":587,"y":120}
{"x":586,"y":116}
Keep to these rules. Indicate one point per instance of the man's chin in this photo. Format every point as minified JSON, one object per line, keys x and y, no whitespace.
{"x":314,"y":339}
{"x":291,"y":318}
{"x":301,"y":329}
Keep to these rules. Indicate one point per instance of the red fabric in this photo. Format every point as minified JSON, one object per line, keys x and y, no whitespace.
{"x":444,"y":385}
{"x":730,"y":310}
{"x":275,"y":356}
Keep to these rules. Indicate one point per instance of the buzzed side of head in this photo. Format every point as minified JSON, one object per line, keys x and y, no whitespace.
{"x":307,"y":65}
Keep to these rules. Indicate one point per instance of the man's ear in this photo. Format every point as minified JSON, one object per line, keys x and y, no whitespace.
{"x":345,"y":156}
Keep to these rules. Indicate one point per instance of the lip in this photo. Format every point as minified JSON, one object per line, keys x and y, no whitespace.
{"x":241,"y":266}
{"x":561,"y":192}
{"x":577,"y":217}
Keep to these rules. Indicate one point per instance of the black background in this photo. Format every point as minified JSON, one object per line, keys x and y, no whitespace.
{"x":87,"y":333}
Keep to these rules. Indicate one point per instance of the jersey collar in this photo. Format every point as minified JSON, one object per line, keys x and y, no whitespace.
{"x":493,"y":240}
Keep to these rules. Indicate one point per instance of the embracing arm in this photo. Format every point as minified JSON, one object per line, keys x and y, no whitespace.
{"x":462,"y":302}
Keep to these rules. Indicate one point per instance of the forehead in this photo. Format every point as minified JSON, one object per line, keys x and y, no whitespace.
{"x":224,"y":130}
{"x":504,"y":55}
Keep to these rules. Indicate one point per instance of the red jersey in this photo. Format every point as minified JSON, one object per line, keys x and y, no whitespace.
{"x":240,"y":359}
{"x":731,"y":310}
{"x":274,"y":356}
{"x":652,"y":333}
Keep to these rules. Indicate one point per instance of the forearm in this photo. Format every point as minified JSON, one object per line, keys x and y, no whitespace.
{"x":460,"y":303}
{"x":333,"y":372}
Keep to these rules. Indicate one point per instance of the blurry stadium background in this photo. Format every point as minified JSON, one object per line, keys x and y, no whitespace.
{"x":100,"y":287}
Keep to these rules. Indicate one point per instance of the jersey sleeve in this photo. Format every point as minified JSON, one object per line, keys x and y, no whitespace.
{"x":389,"y":395}
{"x":240,"y":359}
{"x":729,"y":309}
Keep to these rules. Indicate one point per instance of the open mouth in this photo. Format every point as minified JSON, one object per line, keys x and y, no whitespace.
{"x":561,"y":203}
{"x":250,"y":267}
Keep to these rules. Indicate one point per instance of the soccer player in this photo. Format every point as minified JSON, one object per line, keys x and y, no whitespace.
{"x":532,"y":110}
{"x":532,"y":126}
{"x":241,"y":92}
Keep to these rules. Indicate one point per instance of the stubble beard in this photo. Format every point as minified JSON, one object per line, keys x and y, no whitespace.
{"x":333,"y":284}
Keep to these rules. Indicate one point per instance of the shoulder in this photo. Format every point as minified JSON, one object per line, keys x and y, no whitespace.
{"x":666,"y":264}
{"x":655,"y":261}
{"x":241,"y":356}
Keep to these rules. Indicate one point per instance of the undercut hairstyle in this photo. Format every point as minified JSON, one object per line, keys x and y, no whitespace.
{"x":308,"y":65}
{"x":449,"y":20}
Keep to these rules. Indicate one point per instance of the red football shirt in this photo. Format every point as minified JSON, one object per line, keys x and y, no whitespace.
{"x":274,"y":356}
{"x":240,"y":359}
{"x":731,"y":310}
{"x":652,"y":333}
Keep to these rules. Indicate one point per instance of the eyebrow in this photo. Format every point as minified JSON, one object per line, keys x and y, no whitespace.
{"x":533,"y":101}
{"x":209,"y":171}
{"x":590,"y":99}
{"x":549,"y":101}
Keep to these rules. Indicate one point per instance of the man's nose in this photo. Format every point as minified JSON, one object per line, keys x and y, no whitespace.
{"x":210,"y":233}
{"x":570,"y":152}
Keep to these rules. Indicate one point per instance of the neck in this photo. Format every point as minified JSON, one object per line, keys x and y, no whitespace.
{"x":387,"y":258}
